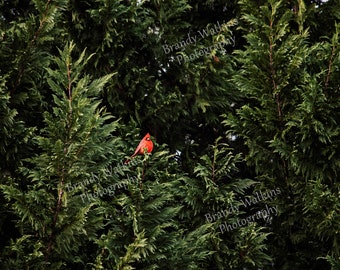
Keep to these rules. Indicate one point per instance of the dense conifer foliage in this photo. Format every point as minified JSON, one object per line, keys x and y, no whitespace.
{"x":241,"y":99}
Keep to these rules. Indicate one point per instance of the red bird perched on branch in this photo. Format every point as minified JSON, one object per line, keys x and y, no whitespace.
{"x":145,"y":145}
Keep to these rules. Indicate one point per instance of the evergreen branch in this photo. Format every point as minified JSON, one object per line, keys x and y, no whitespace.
{"x":330,"y":64}
{"x":69,"y":87}
{"x":334,"y":44}
{"x":276,"y":91}
{"x":272,"y":71}
{"x":29,"y":47}
{"x":62,"y":181}
{"x":55,"y":218}
{"x":213,"y":168}
{"x":42,"y":23}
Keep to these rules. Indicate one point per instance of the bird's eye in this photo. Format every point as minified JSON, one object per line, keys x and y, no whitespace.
{"x":148,"y":139}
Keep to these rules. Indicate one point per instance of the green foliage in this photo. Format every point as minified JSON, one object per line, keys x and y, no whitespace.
{"x":12,"y":131}
{"x":290,"y":122}
{"x":76,"y":141}
{"x":241,"y":99}
{"x":213,"y":188}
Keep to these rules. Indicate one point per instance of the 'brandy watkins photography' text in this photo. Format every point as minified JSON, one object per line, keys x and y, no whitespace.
{"x":101,"y":191}
{"x":110,"y":190}
{"x":192,"y":40}
{"x":264,"y":213}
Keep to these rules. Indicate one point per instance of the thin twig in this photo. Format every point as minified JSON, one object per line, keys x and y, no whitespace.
{"x":273,"y":73}
{"x":330,"y":67}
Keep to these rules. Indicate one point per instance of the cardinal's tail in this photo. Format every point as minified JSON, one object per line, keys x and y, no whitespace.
{"x":127,"y":161}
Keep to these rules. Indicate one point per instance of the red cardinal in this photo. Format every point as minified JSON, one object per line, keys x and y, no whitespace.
{"x":145,"y":145}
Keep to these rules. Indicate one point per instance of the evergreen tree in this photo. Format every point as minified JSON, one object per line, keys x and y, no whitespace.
{"x":76,"y":141}
{"x":254,"y":189}
{"x":290,"y":124}
{"x":215,"y":191}
{"x":27,"y":32}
